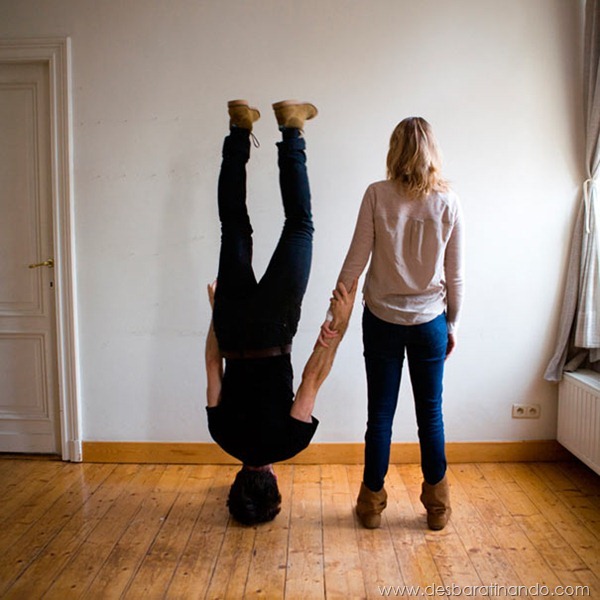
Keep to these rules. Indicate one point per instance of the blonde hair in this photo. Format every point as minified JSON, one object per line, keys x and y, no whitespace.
{"x":414,"y":158}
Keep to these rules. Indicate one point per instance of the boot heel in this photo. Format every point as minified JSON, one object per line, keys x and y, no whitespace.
{"x":370,"y":505}
{"x":436,"y":500}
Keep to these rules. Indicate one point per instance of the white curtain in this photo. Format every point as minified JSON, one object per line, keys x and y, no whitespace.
{"x":579,"y":328}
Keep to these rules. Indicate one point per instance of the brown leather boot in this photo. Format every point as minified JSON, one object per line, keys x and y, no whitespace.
{"x":241,"y":114}
{"x":370,"y":505}
{"x":436,"y":500}
{"x":291,"y":113}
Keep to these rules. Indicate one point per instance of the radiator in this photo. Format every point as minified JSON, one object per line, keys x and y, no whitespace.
{"x":579,"y":416}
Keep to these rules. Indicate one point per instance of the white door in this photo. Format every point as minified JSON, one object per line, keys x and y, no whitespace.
{"x":29,"y":415}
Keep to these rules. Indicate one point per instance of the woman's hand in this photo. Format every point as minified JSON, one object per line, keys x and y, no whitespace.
{"x":340,"y":307}
{"x":451,"y":344}
{"x":342,"y":303}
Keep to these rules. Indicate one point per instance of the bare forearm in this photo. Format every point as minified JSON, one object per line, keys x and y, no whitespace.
{"x":315,"y":372}
{"x":321,"y":360}
{"x":214,"y":368}
{"x":339,"y":322}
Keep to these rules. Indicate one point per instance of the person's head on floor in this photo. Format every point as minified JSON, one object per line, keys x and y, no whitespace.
{"x":254,"y":495}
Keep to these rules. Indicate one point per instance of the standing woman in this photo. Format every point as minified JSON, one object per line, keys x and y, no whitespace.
{"x":410,"y":226}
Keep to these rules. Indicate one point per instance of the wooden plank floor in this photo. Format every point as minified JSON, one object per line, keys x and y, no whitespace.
{"x":98,"y":531}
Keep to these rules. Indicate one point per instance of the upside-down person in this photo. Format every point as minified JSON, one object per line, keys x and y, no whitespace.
{"x":253,"y":413}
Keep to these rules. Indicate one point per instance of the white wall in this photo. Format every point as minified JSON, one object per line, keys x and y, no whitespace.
{"x":498,"y":79}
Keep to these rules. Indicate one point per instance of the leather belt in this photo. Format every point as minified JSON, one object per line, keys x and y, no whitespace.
{"x":261,"y":353}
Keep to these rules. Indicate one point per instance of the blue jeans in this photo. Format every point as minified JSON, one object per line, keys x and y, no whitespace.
{"x":251,"y":314}
{"x":384,"y":348}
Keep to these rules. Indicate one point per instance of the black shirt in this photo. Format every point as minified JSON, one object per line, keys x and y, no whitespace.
{"x":252,"y":421}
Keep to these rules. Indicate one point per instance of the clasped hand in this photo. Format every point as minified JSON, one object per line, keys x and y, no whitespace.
{"x":340,"y":307}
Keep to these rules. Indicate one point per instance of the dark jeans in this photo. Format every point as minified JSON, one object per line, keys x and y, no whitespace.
{"x":384,"y":347}
{"x":251,"y":314}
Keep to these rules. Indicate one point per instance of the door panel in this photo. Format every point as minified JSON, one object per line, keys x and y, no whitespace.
{"x":28,"y":395}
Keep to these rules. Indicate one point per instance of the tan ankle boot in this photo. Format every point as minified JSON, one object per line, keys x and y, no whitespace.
{"x":291,"y":113}
{"x":436,"y":500}
{"x":241,"y":114}
{"x":370,"y":505}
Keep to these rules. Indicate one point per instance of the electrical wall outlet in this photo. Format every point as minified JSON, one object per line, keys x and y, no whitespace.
{"x":526,"y":411}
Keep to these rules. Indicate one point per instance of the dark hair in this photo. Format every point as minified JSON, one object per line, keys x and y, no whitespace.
{"x":254,"y":497}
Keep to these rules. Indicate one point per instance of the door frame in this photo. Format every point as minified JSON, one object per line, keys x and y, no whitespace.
{"x":56,"y":53}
